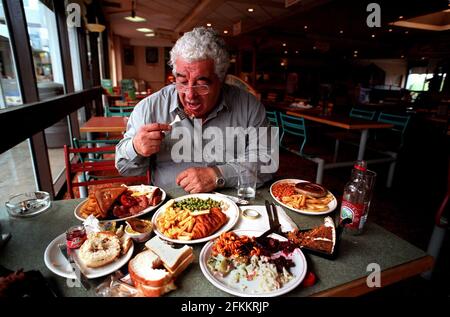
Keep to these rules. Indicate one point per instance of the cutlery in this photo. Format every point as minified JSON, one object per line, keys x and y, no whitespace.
{"x":271,"y":221}
{"x":234,"y":199}
{"x":76,"y":268}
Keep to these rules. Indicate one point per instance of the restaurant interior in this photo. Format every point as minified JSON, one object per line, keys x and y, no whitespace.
{"x":64,"y":63}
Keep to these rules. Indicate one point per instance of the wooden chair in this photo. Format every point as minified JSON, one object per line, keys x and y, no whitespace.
{"x":82,"y":169}
{"x":100,"y":156}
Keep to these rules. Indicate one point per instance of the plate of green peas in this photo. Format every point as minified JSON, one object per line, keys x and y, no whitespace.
{"x":175,"y":220}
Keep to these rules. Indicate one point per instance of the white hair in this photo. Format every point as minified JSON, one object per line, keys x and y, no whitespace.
{"x":199,"y":44}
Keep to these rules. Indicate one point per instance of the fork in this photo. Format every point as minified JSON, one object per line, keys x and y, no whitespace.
{"x":181,"y":115}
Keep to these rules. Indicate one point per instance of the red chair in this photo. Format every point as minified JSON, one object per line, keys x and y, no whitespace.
{"x":105,"y":171}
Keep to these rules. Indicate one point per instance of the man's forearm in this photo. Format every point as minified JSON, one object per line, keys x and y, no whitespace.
{"x":128,"y":162}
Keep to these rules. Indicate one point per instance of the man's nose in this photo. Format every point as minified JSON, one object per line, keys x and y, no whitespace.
{"x":190,"y":92}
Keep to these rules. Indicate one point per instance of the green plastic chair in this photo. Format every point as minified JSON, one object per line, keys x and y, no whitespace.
{"x":112,"y":111}
{"x":293,"y":126}
{"x":272,"y":117}
{"x":362,"y":114}
{"x":400,"y":123}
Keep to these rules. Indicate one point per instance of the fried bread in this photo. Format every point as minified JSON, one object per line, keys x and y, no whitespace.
{"x":106,"y":197}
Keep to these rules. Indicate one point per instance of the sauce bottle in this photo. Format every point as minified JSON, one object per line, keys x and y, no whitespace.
{"x":355,"y":200}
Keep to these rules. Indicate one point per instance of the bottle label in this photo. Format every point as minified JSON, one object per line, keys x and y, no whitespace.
{"x":352,"y":211}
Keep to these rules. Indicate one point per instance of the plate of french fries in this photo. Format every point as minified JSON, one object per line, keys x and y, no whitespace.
{"x":284,"y":193}
{"x":178,"y":220}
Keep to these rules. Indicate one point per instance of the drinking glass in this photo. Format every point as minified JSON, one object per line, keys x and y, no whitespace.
{"x":247,"y":177}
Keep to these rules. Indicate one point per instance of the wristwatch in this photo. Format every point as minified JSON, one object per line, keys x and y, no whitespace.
{"x":220,"y":181}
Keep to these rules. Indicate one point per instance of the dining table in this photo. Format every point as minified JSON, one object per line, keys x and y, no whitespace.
{"x":105,"y":125}
{"x":346,"y":275}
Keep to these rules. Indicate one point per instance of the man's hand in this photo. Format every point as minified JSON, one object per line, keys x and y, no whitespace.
{"x":149,"y":137}
{"x":197,"y":179}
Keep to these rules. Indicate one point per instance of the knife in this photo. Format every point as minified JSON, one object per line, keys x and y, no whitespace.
{"x":75,"y":267}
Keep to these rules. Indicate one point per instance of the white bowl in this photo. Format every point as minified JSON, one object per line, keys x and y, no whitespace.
{"x":139,"y":236}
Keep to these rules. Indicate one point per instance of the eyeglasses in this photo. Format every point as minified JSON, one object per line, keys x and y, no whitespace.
{"x":198,"y":89}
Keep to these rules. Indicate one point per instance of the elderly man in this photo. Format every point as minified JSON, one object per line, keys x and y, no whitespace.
{"x":207,"y":106}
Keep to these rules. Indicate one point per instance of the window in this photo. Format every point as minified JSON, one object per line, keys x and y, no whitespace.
{"x":419,"y":79}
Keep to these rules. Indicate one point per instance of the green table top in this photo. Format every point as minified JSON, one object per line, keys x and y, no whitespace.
{"x":30,"y":237}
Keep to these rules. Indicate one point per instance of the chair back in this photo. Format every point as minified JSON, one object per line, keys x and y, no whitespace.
{"x":122,"y":111}
{"x":362,"y":114}
{"x":400,"y":123}
{"x":294,"y":126}
{"x":272,"y":117}
{"x":99,"y":156}
{"x":75,"y":166}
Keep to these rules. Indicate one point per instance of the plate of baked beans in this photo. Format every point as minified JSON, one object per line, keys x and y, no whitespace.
{"x":303,"y":197}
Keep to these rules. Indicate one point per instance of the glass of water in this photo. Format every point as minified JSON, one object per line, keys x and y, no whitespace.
{"x":247,"y":177}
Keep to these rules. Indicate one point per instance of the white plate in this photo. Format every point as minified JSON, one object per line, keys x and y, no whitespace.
{"x":58,"y":264}
{"x":227,"y":285}
{"x":232,"y":213}
{"x":331,"y":205}
{"x":137,"y":188}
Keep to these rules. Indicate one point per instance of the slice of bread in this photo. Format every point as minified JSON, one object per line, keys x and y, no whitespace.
{"x":151,"y":291}
{"x":106,"y":197}
{"x":170,"y":257}
{"x":143,"y":269}
{"x":183,"y":265}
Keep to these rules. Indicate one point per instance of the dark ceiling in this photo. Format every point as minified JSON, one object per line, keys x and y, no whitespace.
{"x":339,"y":28}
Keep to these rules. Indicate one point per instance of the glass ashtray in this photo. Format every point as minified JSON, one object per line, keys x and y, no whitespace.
{"x":28,"y":204}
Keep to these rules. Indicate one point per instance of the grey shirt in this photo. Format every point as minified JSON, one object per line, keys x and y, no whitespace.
{"x":193,"y":143}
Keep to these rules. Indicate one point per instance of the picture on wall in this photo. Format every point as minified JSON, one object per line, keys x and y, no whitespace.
{"x":128,"y":55}
{"x":151,"y":55}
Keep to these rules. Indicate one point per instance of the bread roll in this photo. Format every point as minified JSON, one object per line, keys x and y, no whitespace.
{"x":99,"y":249}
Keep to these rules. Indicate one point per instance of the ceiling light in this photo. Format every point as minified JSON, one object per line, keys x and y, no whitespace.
{"x":284,"y":44}
{"x":406,"y":32}
{"x":354,"y":55}
{"x":390,"y":30}
{"x":135,"y":19}
{"x":282,"y":63}
{"x":373,"y":35}
{"x":296,"y":52}
{"x":341,"y":31}
{"x":355,"y":52}
{"x":305,"y":27}
{"x":208,"y":24}
{"x":314,"y":47}
{"x":403,"y":56}
{"x":400,"y":17}
{"x":145,"y":30}
{"x":423,"y":57}
{"x":250,"y":9}
{"x":285,"y":52}
{"x":150,"y":34}
{"x":225,"y":31}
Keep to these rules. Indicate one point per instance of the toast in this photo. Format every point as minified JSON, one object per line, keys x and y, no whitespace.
{"x":106,"y":197}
